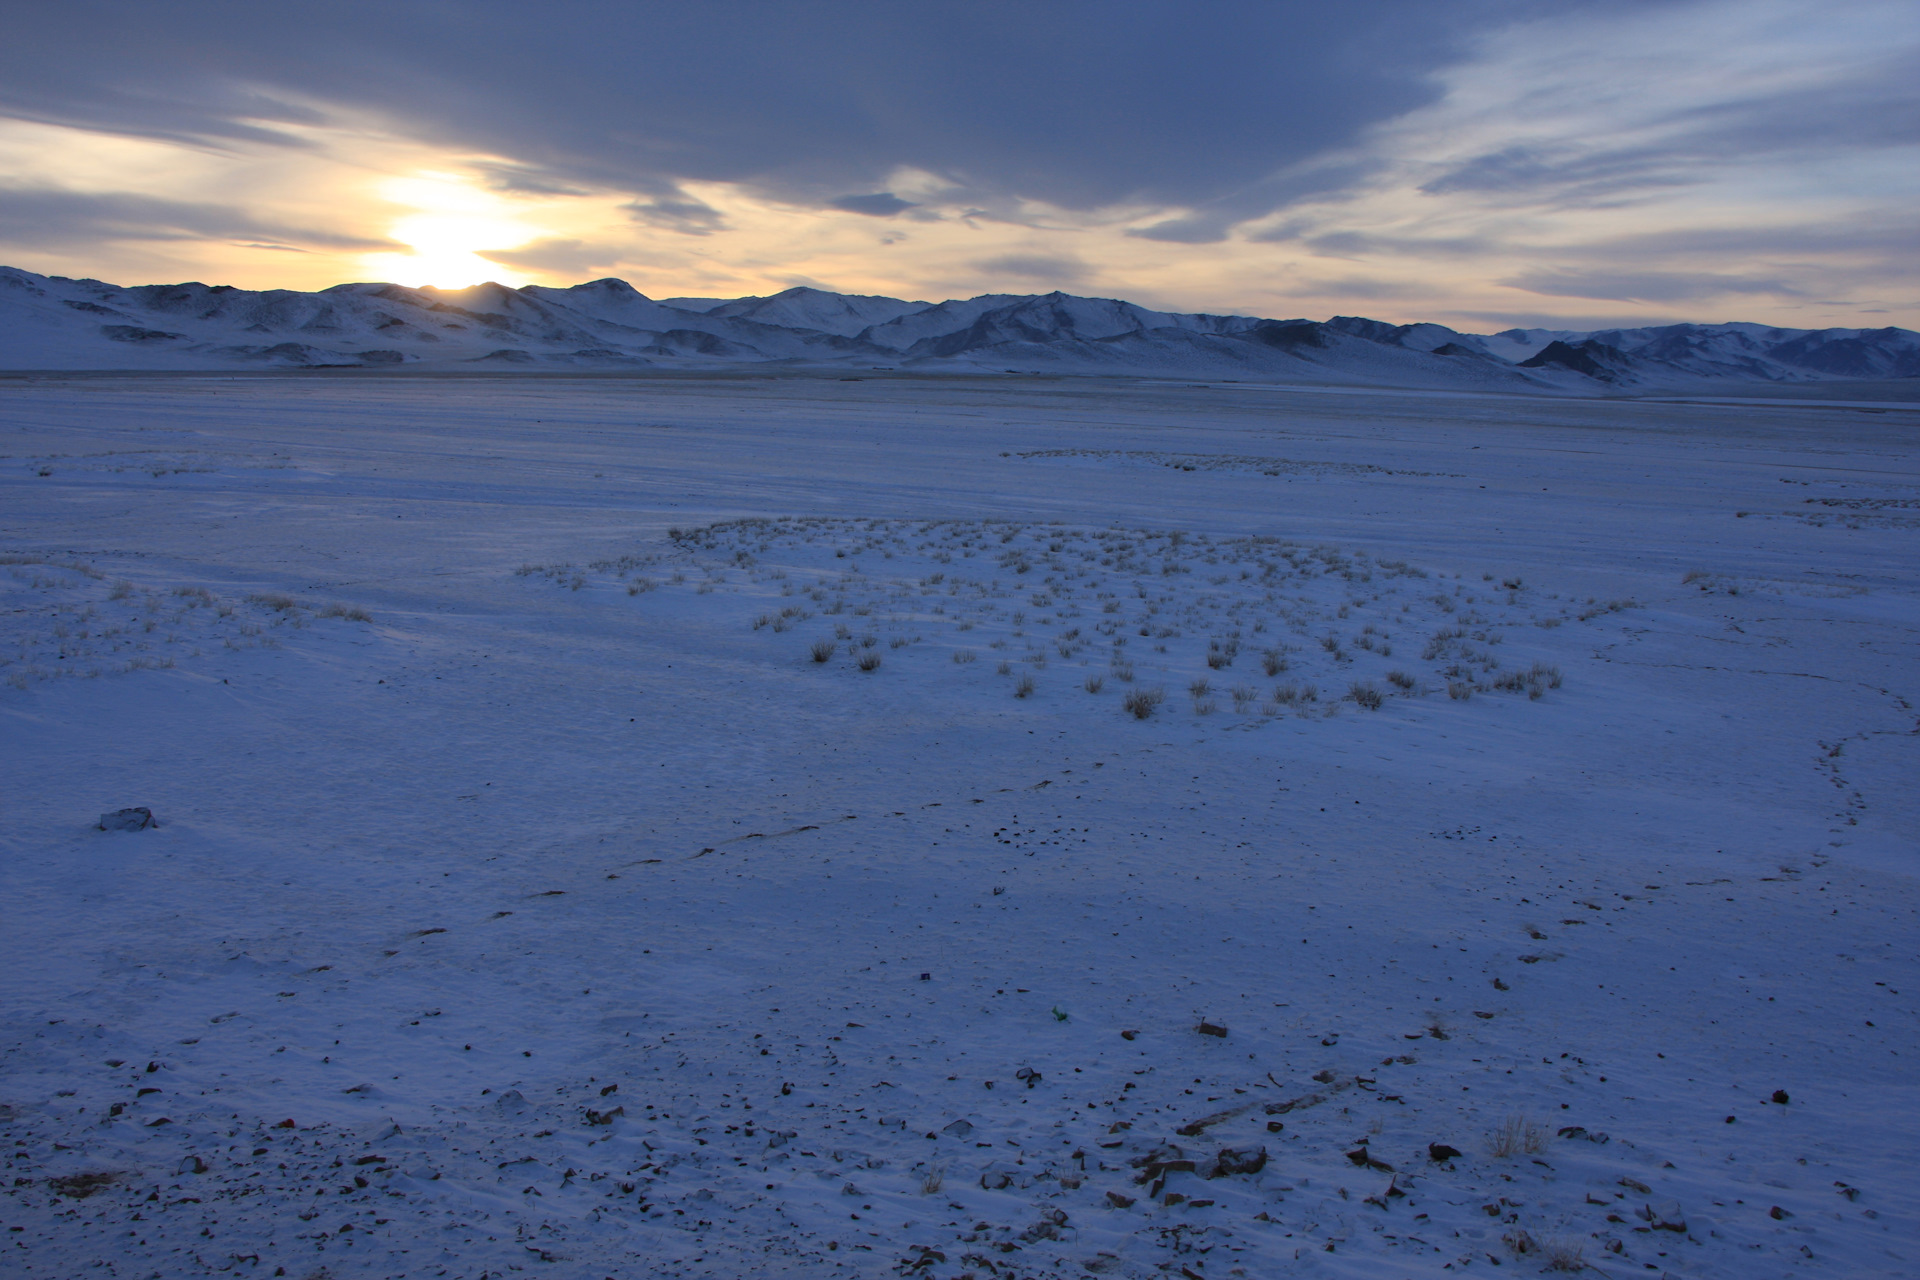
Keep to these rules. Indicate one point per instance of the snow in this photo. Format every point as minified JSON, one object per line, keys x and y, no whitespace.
{"x":515,"y":849}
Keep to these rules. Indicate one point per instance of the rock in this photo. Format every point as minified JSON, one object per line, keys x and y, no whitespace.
{"x":1439,"y":1151}
{"x":778,"y":1138}
{"x":1231,"y":1161}
{"x":1778,"y":1214}
{"x":1667,"y":1216}
{"x":1028,"y":1074}
{"x":191,"y":1164}
{"x":512,"y":1102}
{"x":958,"y":1129}
{"x":136,"y":819}
{"x":1000,"y":1175}
{"x":1780,"y":1097}
{"x":1119,"y":1201}
{"x":1211,"y":1029}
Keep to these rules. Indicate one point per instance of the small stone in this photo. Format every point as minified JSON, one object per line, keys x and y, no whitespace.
{"x":1779,"y":1097}
{"x":1440,"y":1151}
{"x":136,"y":819}
{"x":1211,"y":1029}
{"x":1778,"y":1214}
{"x":1231,"y":1161}
{"x":1119,"y":1201}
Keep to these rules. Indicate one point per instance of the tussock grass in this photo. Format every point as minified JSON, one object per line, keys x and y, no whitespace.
{"x":1094,"y":683}
{"x":351,"y":612}
{"x":1517,"y":1135}
{"x":273,"y":600}
{"x":963,"y":656}
{"x":822,"y":650}
{"x":1140,"y":702}
{"x":1364,"y":694}
{"x":1295,"y":693}
{"x":1024,"y":686}
{"x":869,"y":660}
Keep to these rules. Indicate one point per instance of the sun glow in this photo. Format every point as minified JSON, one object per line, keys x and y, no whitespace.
{"x":454,"y":223}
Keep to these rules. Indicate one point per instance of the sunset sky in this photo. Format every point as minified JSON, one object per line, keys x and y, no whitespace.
{"x":1482,"y":163}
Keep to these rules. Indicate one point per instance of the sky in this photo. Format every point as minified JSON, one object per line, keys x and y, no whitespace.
{"x":1480,"y":163}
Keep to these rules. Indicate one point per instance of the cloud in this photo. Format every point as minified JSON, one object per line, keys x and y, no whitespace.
{"x":44,"y":217}
{"x":559,"y":256}
{"x":1538,"y":174}
{"x":1648,"y":286}
{"x":881,"y":204}
{"x":680,"y":213}
{"x":1053,"y":268}
{"x":1077,"y":103}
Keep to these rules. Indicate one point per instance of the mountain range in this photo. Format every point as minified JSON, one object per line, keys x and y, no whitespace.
{"x":57,"y":323}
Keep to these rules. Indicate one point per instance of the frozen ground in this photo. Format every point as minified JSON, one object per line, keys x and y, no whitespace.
{"x":528,"y":899}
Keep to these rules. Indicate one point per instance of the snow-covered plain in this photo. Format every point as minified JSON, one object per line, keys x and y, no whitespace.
{"x":528,"y":899}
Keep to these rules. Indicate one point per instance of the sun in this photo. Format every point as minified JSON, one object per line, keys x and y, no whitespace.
{"x":453,"y":222}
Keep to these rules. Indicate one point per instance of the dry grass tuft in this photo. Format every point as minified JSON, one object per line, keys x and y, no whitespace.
{"x":1095,"y":683}
{"x":1564,"y":1255}
{"x":1141,"y":702}
{"x":1364,"y":694}
{"x":1024,"y":686}
{"x":273,"y":600}
{"x":869,"y":660}
{"x":1517,"y":1135}
{"x":351,"y":612}
{"x":822,"y":650}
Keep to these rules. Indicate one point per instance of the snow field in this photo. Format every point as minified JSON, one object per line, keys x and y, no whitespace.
{"x":576,"y":916}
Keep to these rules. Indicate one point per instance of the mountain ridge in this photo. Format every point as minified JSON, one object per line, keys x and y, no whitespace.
{"x":57,"y":323}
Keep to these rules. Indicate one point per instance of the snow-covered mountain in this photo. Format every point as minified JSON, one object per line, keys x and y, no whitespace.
{"x":805,"y":308}
{"x":55,"y":323}
{"x":1746,"y":352}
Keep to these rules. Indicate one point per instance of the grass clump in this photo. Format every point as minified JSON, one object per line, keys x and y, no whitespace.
{"x":1139,"y":703}
{"x":1024,"y":686}
{"x":869,"y":660}
{"x":1517,"y":1135}
{"x":1364,"y":694}
{"x":822,"y":650}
